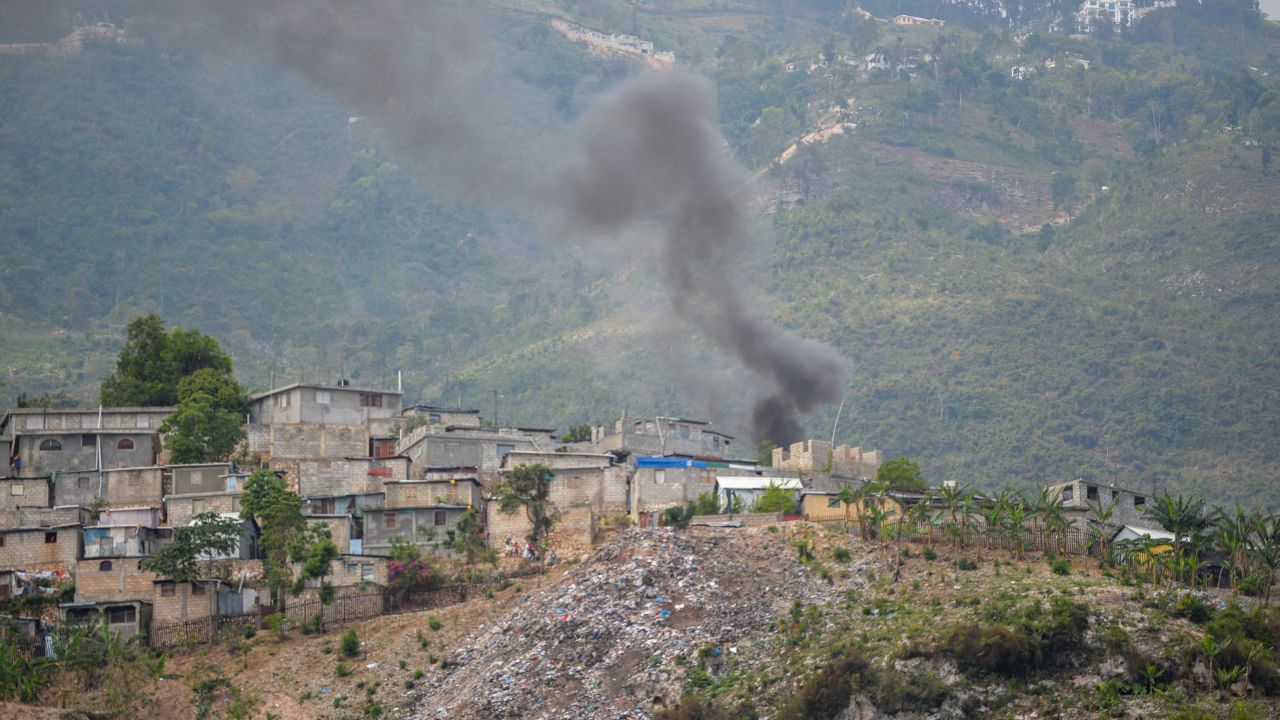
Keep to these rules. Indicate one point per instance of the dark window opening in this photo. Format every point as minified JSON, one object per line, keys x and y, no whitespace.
{"x":1091,"y":493}
{"x":1139,"y":502}
{"x":50,"y":445}
{"x":390,"y":520}
{"x":370,"y":400}
{"x":88,"y":442}
{"x":124,"y":444}
{"x":50,"y":538}
{"x":118,"y":615}
{"x":104,"y":566}
{"x":168,"y":590}
{"x":197,"y":588}
{"x":441,"y":518}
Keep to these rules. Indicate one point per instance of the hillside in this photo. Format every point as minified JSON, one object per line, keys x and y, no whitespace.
{"x":1002,"y":325}
{"x":720,"y":623}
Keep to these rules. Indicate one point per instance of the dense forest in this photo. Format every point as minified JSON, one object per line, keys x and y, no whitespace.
{"x":1046,"y":255}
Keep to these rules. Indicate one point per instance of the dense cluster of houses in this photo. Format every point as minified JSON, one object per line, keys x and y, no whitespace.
{"x":88,"y":493}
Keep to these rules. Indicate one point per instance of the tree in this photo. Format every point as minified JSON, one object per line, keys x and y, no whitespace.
{"x":185,"y":557}
{"x":313,"y":548}
{"x":900,"y":474}
{"x":278,"y":512}
{"x":1103,"y":514}
{"x":848,"y":497}
{"x":153,"y":362}
{"x":776,"y":499}
{"x":1063,"y":190}
{"x":577,"y":433}
{"x":1180,"y":516}
{"x":208,"y":423}
{"x":467,"y":538}
{"x":529,"y":486}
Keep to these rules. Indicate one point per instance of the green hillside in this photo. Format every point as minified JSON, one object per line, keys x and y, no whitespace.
{"x":1007,"y":319}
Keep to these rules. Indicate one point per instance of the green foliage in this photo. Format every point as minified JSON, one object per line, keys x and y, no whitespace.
{"x":350,"y":644}
{"x":313,"y":547}
{"x":900,"y":474}
{"x":1032,"y":640}
{"x":529,"y":486}
{"x":153,"y":362}
{"x":278,"y":512}
{"x":577,"y":433}
{"x":827,"y":692}
{"x":1061,"y":566}
{"x":185,"y":557}
{"x":468,"y":539}
{"x":776,"y":499}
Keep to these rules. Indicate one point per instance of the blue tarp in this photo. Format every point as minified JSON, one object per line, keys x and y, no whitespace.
{"x":650,"y":461}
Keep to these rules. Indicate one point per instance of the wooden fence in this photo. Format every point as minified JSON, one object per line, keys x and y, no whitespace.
{"x":343,"y":610}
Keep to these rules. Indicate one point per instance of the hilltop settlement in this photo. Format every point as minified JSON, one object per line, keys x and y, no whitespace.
{"x":94,"y":509}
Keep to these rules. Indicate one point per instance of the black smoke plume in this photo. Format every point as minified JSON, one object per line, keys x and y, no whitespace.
{"x":648,"y":151}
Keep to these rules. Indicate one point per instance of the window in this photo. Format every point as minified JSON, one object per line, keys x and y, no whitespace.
{"x":88,"y":442}
{"x":323,"y":397}
{"x":684,"y":432}
{"x":441,"y":518}
{"x":659,"y":477}
{"x":168,"y":590}
{"x":322,"y":506}
{"x":104,"y":566}
{"x":197,"y":477}
{"x":1,"y":541}
{"x":503,"y":449}
{"x":144,"y":421}
{"x":50,"y":445}
{"x":1139,"y":502}
{"x":833,"y":502}
{"x":433,"y":417}
{"x":351,"y":568}
{"x":82,"y":482}
{"x":119,"y":615}
{"x":390,"y":520}
{"x":366,"y":573}
{"x":50,"y":538}
{"x":197,"y":588}
{"x":370,"y":400}
{"x":16,"y":489}
{"x":124,"y":444}
{"x":1067,"y":493}
{"x":1091,"y":493}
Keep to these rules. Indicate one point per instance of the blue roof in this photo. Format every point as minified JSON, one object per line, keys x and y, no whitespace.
{"x":650,"y":461}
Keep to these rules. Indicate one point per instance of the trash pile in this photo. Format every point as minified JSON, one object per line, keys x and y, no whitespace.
{"x":617,"y":635}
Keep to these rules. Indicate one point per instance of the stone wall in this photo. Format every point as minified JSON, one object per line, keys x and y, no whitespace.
{"x":174,"y":602}
{"x":818,"y":456}
{"x":181,"y":508}
{"x":654,"y":490}
{"x":571,"y":536}
{"x":421,"y":493}
{"x":22,"y":492}
{"x":338,"y":478}
{"x":52,"y":517}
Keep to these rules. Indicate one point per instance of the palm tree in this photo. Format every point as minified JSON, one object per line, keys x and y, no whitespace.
{"x":1015,"y":523}
{"x":1266,"y":550}
{"x":1180,"y":516}
{"x":847,"y":496}
{"x":1231,"y":539}
{"x":994,"y":515}
{"x":1103,"y":514}
{"x":952,"y":496}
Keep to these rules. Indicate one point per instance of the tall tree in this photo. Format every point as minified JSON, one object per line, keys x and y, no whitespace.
{"x":154,"y":361}
{"x":900,"y":474}
{"x":208,"y":423}
{"x":185,"y":557}
{"x":529,"y":486}
{"x":278,"y":512}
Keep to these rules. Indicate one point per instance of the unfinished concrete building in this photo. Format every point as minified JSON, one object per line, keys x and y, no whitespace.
{"x":817,"y":456}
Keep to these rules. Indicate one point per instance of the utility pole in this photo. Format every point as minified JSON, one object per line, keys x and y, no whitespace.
{"x":495,"y":409}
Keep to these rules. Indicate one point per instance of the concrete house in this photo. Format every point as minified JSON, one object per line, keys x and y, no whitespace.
{"x":451,"y":446}
{"x":306,"y":421}
{"x":119,"y":487}
{"x":426,"y":527}
{"x":458,"y":490}
{"x":434,"y":415}
{"x":347,"y":485}
{"x":22,"y":492}
{"x":815,"y":456}
{"x":123,"y":618}
{"x":41,"y":548}
{"x":1128,"y":507}
{"x":200,"y":489}
{"x":45,"y":441}
{"x":664,"y":436}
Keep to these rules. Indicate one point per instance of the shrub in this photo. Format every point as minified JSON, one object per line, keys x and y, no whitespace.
{"x":991,"y":648}
{"x":341,"y":670}
{"x":435,"y":624}
{"x":248,"y":632}
{"x":929,"y":553}
{"x":1193,"y":608}
{"x":841,"y":555}
{"x":350,"y":644}
{"x":966,"y":564}
{"x":1061,"y":567}
{"x":827,"y":692}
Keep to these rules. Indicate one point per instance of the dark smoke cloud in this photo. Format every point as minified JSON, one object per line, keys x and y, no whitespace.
{"x":650,"y":150}
{"x":647,"y":152}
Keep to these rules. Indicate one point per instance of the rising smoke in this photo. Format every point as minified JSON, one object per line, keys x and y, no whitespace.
{"x":648,"y":151}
